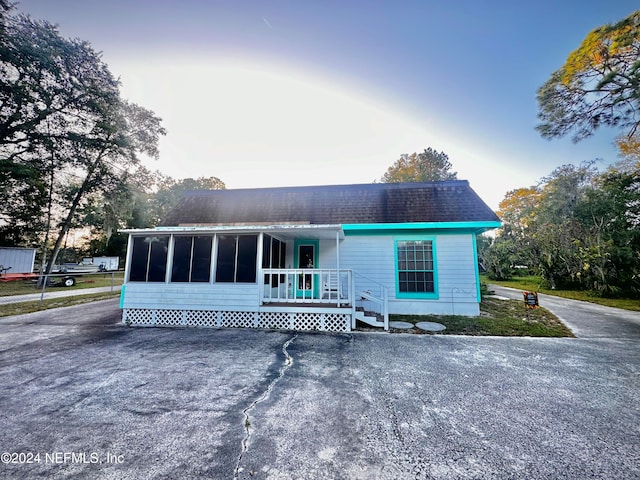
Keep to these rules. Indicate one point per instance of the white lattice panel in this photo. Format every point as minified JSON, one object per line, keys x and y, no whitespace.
{"x":202,"y":318}
{"x":307,"y":321}
{"x":170,"y":317}
{"x":276,"y":320}
{"x":237,"y":319}
{"x":135,"y":316}
{"x":327,"y":322}
{"x":337,"y":322}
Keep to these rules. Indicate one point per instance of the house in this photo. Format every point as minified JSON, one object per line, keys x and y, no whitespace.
{"x":308,"y":258}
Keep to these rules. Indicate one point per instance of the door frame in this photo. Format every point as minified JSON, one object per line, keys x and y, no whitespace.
{"x":304,"y":242}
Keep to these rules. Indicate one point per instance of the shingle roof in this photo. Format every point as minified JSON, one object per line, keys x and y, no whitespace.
{"x":447,"y":201}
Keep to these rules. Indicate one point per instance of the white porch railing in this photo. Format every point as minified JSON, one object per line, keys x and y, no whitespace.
{"x":374,"y":300}
{"x":306,"y":285}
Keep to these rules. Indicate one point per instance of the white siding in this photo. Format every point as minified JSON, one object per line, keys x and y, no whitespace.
{"x":374,"y":257}
{"x":370,"y":256}
{"x":192,"y":296}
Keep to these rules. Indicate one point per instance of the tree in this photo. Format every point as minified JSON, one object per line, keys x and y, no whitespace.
{"x":65,"y":131}
{"x":170,"y":192}
{"x":140,"y":202}
{"x":427,"y":166}
{"x":578,"y":228}
{"x":610,"y":253}
{"x":597,"y":86}
{"x":108,"y":152}
{"x":518,"y":212}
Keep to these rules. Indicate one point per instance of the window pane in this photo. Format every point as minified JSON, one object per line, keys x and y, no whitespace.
{"x":282,"y":262}
{"x":274,"y":262}
{"x":158,"y":259}
{"x":139,"y":257}
{"x":201,"y":261}
{"x":266,"y":251}
{"x":226,"y":258}
{"x":181,"y":259}
{"x":429,"y":282}
{"x":416,"y":266}
{"x":275,"y":253}
{"x":247,"y":254}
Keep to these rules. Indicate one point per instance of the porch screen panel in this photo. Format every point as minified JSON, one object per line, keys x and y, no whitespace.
{"x":157,"y":259}
{"x":416,"y":267}
{"x":149,"y":259}
{"x":181,"y":259}
{"x":273,"y":256}
{"x":139,"y":260}
{"x":266,"y":251}
{"x":247,"y":257}
{"x":226,"y":258}
{"x":201,"y":259}
{"x":237,"y":258}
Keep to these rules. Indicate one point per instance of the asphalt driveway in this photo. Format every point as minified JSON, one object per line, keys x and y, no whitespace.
{"x":94,"y":399}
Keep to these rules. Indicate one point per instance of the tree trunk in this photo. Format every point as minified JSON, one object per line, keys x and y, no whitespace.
{"x":45,"y":243}
{"x":72,"y":210}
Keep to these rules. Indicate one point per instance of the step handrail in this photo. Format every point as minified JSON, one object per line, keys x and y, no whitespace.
{"x":384,"y":301}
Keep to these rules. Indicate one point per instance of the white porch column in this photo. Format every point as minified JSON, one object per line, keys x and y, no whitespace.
{"x":169,"y":264}
{"x":127,"y":265}
{"x":339,"y":283}
{"x":338,"y":250}
{"x":260,"y":279}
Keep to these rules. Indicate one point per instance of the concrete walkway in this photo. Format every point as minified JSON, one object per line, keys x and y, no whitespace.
{"x":56,"y":292}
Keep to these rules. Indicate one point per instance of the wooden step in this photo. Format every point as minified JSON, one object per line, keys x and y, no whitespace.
{"x":372,"y":320}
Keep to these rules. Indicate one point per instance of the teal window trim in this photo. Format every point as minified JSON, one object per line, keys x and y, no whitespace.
{"x":416,"y":295}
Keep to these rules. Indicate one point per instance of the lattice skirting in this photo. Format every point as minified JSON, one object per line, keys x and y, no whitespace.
{"x":325,"y":322}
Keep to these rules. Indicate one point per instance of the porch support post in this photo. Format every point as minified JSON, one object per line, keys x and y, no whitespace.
{"x":339,"y":283}
{"x":169,"y":262}
{"x":127,"y":265}
{"x":260,"y":279}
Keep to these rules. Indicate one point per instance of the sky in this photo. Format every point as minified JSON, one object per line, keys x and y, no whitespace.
{"x":300,"y":92}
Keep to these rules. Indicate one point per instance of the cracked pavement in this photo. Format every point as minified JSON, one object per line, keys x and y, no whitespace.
{"x":171,"y":402}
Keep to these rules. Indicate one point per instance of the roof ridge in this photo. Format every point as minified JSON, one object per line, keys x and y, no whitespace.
{"x":352,"y":186}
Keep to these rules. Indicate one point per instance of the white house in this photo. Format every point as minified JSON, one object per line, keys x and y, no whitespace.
{"x":308,"y":258}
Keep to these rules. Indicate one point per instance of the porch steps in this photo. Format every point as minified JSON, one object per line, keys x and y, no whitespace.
{"x":370,"y":318}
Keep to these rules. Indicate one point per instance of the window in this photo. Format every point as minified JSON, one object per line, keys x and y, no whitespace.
{"x":191,"y":259}
{"x":149,"y":259}
{"x":273,"y":256}
{"x":416,"y":268}
{"x":236,"y":259}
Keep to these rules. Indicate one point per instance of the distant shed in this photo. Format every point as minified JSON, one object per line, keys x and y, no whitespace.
{"x":17,"y":260}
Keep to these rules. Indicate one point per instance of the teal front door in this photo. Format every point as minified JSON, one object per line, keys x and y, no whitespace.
{"x":306,"y":256}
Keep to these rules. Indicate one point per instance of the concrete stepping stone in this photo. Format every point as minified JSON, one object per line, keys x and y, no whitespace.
{"x":401,"y":325}
{"x":430,"y":326}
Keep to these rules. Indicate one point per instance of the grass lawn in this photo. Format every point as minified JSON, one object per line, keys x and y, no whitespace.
{"x":24,"y":287}
{"x":497,"y":317}
{"x":29,"y":307}
{"x":532,"y":283}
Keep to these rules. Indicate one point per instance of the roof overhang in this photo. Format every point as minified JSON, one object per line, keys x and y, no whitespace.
{"x":476,"y":227}
{"x":283,"y":231}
